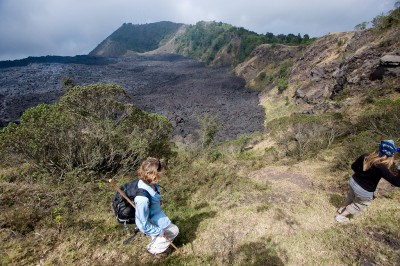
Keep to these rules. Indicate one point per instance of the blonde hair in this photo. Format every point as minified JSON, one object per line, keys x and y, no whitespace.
{"x":374,"y":159}
{"x":149,"y":170}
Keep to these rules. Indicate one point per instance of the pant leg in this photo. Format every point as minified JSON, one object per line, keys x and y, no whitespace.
{"x":160,"y":244}
{"x":172,"y":231}
{"x":358,"y":205}
{"x":350,"y":197}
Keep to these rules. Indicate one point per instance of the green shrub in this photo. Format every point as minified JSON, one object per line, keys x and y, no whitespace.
{"x":383,"y":119}
{"x":380,"y":122}
{"x":275,"y":75}
{"x":302,"y":135}
{"x":361,"y":26}
{"x":209,"y":127}
{"x":283,"y":84}
{"x":262,"y":76}
{"x":91,"y":129}
{"x":353,"y":146}
{"x":214,"y":155}
{"x":383,"y":22}
{"x":341,"y":42}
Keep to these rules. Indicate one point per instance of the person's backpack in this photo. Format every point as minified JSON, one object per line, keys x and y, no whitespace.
{"x":125,"y":212}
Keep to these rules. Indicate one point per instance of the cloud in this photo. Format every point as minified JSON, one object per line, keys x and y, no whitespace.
{"x":71,"y":27}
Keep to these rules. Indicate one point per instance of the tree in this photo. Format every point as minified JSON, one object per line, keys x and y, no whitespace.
{"x":209,"y":127}
{"x":361,"y":26}
{"x":67,"y":82}
{"x":91,"y":129}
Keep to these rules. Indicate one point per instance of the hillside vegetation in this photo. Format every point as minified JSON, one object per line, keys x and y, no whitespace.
{"x":267,"y":198}
{"x":219,"y":43}
{"x":270,"y":205}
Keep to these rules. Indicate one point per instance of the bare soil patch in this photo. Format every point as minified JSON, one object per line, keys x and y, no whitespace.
{"x":281,"y":173}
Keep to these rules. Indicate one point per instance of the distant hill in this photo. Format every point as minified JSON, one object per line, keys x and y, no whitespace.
{"x":216,"y":43}
{"x":136,"y":38}
{"x":78,"y":59}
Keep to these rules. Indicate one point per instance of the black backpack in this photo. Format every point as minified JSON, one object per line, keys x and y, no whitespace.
{"x":123,"y":210}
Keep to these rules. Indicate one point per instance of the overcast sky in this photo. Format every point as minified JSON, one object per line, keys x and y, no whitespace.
{"x":75,"y":27}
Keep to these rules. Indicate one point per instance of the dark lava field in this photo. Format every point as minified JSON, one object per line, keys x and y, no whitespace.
{"x":179,"y":88}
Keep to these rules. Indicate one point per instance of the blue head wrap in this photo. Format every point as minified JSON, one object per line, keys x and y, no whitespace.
{"x":387,"y":147}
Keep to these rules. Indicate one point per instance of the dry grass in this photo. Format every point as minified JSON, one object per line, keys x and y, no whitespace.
{"x":272,"y":214}
{"x":294,"y":223}
{"x":277,"y":106}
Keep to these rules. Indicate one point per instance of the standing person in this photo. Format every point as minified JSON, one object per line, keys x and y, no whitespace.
{"x":368,"y":170}
{"x":149,"y":217}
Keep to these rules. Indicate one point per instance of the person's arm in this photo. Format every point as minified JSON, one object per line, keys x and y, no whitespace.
{"x":142,"y":217}
{"x":358,"y":164}
{"x":391,"y":178}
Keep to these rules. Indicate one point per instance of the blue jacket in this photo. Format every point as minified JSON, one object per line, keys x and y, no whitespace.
{"x":149,"y":218}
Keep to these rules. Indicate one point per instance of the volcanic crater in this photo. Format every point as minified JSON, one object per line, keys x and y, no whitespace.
{"x":180,"y":88}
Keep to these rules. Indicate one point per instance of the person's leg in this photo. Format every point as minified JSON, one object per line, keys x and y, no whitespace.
{"x":160,"y":244}
{"x":355,"y":208}
{"x":172,"y":231}
{"x":349,"y":199}
{"x":359,"y":205}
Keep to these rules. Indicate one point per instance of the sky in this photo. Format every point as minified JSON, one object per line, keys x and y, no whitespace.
{"x":76,"y":27}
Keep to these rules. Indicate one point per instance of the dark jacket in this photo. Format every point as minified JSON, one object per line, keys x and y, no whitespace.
{"x":369,"y":179}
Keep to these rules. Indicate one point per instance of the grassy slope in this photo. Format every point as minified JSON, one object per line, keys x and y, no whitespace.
{"x":236,"y":210}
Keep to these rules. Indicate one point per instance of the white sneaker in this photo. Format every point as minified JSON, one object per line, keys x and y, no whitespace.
{"x":341,"y":219}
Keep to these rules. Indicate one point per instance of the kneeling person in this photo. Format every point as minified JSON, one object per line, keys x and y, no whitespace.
{"x":149,"y":217}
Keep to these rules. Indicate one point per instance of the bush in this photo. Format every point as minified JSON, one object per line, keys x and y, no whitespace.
{"x":91,"y":129}
{"x":275,"y":75}
{"x":383,"y":119}
{"x":262,"y":76}
{"x":353,"y":146}
{"x":209,"y":128}
{"x":283,"y":84}
{"x":302,"y":135}
{"x":383,"y":22}
{"x":380,"y":122}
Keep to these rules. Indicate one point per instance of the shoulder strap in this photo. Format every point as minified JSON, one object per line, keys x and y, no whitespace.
{"x":144,"y":193}
{"x":132,"y":190}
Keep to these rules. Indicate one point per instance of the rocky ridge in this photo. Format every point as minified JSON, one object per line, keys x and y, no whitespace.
{"x":356,"y":62}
